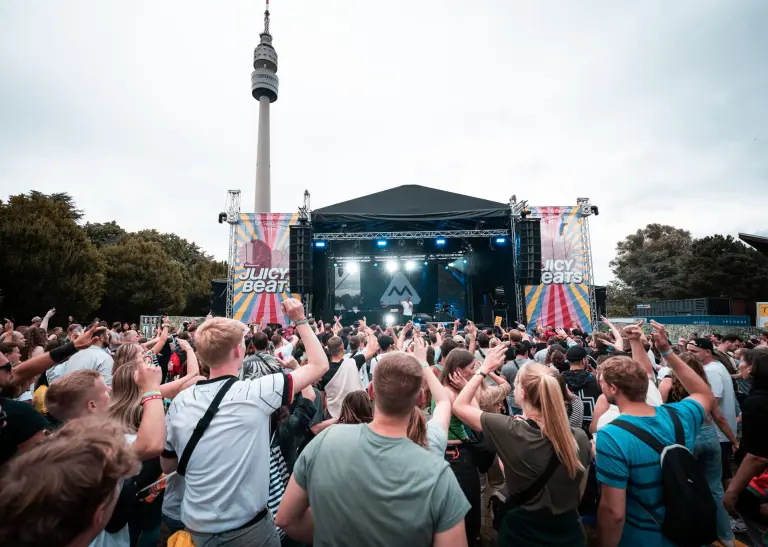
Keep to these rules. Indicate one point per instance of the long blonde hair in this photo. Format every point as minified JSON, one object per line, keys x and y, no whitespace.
{"x":417,"y":427}
{"x":125,"y":400}
{"x":542,"y":393}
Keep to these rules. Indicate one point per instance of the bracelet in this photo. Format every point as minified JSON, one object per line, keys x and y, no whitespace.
{"x":425,"y":365}
{"x":302,"y":322}
{"x":150,"y":393}
{"x":665,"y":353}
{"x":481,"y":373}
{"x":151,"y":398}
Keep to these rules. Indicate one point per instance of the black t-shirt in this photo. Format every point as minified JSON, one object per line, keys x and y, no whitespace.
{"x":754,"y":422}
{"x":22,"y":422}
{"x":333,"y":368}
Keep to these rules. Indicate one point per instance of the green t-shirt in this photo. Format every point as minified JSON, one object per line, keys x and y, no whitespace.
{"x":366,"y":489}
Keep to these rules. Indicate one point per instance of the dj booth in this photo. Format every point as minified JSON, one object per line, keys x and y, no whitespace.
{"x":379,"y":316}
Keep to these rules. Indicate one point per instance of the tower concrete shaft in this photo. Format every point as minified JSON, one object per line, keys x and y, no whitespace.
{"x":264,"y":84}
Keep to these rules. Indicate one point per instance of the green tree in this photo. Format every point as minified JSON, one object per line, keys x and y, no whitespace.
{"x":620,"y":300}
{"x":141,"y":279}
{"x":653,"y":262}
{"x":188,"y":253}
{"x":102,"y":234}
{"x":724,"y":266}
{"x":46,"y":260}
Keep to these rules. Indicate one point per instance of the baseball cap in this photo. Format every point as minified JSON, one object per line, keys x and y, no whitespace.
{"x":37,"y":319}
{"x":459,"y":339}
{"x":701,"y":343}
{"x":575,"y":354}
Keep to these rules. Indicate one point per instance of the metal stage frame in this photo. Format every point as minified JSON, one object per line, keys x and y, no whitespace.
{"x":517,"y":213}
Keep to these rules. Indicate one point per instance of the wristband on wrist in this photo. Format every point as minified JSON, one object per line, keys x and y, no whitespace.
{"x":425,"y":365}
{"x":665,"y":353}
{"x":150,"y":393}
{"x":151,"y":398}
{"x":303,"y":321}
{"x":62,"y":353}
{"x":481,"y":373}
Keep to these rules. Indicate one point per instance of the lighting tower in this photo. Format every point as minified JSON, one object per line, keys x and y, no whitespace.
{"x":264,"y":84}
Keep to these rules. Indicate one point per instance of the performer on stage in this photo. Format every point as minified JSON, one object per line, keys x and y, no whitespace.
{"x":407,"y":310}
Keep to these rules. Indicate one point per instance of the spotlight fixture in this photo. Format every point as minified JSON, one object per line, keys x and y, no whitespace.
{"x":353,"y":267}
{"x":401,"y":243}
{"x":320,"y":244}
{"x":391,"y":266}
{"x":440,"y":242}
{"x":465,"y":261}
{"x":222,"y":217}
{"x":381,"y":243}
{"x":389,"y":319}
{"x":410,"y":265}
{"x":501,"y":240}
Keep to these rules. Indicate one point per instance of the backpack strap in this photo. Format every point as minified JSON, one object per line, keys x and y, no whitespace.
{"x":640,"y":433}
{"x":202,"y":425}
{"x":679,"y":432}
{"x":537,"y":485}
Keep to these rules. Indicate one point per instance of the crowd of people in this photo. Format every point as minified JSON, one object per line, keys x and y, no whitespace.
{"x":224,"y":434}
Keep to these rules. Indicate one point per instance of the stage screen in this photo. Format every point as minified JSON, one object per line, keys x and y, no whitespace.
{"x":261,"y":267}
{"x":562,"y":297}
{"x":371,"y":286}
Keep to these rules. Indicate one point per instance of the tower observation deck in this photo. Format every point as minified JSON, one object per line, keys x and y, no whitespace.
{"x":264,"y":84}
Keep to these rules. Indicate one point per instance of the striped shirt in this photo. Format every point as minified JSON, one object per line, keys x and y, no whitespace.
{"x":278,"y":479}
{"x":624,"y":461}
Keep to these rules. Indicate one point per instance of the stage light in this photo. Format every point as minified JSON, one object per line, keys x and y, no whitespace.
{"x":440,"y":242}
{"x":375,"y":264}
{"x":391,"y":266}
{"x":352,"y":267}
{"x":320,"y":244}
{"x":465,"y":261}
{"x":501,"y":240}
{"x":381,"y":243}
{"x":426,"y":263}
{"x":389,"y":319}
{"x":410,"y":265}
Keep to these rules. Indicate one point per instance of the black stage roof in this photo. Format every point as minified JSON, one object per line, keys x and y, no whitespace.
{"x":760,"y":243}
{"x":419,"y":206}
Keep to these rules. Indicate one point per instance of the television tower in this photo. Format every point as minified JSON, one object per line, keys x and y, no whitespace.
{"x":264,"y":84}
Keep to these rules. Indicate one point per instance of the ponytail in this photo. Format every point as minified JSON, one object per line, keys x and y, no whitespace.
{"x":417,"y":427}
{"x":556,"y":427}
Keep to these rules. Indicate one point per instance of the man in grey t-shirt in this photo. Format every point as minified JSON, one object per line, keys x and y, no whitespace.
{"x":369,"y":484}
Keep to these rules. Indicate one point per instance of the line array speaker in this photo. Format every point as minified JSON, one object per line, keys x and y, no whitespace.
{"x":300,"y":258}
{"x":529,"y":234}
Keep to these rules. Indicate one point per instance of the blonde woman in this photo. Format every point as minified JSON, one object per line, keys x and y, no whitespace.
{"x":125,"y":399}
{"x":545,"y":460}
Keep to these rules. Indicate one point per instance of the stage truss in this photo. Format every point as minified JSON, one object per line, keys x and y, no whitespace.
{"x":517,"y":213}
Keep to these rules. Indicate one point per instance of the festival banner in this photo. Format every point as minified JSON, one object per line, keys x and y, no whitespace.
{"x":562,"y":297}
{"x":261,"y":267}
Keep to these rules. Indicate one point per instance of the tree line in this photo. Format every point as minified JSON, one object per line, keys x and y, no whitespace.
{"x":50,"y":258}
{"x":661,"y":262}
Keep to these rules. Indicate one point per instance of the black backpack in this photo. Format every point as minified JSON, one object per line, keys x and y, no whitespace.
{"x":690,"y":512}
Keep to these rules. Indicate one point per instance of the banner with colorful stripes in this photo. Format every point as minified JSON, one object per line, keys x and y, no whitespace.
{"x":562,"y":297}
{"x":261,"y":267}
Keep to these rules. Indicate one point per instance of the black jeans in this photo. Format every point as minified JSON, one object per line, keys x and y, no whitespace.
{"x":463,"y":465}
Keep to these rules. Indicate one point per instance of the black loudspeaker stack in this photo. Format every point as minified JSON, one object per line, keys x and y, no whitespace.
{"x":600,"y":303}
{"x":219,"y":297}
{"x":529,"y":232}
{"x":300,"y":259}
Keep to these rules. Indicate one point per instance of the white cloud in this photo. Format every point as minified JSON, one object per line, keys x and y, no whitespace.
{"x":142,"y":110}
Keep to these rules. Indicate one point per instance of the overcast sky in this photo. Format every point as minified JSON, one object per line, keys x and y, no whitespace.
{"x":141,"y":110}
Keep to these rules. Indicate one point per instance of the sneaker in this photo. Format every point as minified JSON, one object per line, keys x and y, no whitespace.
{"x":738,"y":526}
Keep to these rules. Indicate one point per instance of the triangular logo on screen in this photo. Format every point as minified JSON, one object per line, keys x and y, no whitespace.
{"x":399,"y":289}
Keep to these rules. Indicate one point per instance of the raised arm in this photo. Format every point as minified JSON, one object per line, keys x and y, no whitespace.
{"x":162,"y":339}
{"x":34,"y":367}
{"x":618,"y":341}
{"x":442,"y":412}
{"x":48,"y":315}
{"x":171,"y":389}
{"x":462,"y":406}
{"x":150,"y":438}
{"x":317,"y":360}
{"x":472,"y":330}
{"x":692,"y":382}
{"x":639,"y":355}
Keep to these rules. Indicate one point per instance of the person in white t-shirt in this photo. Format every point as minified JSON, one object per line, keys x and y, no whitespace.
{"x":230,"y":463}
{"x":407,"y":309}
